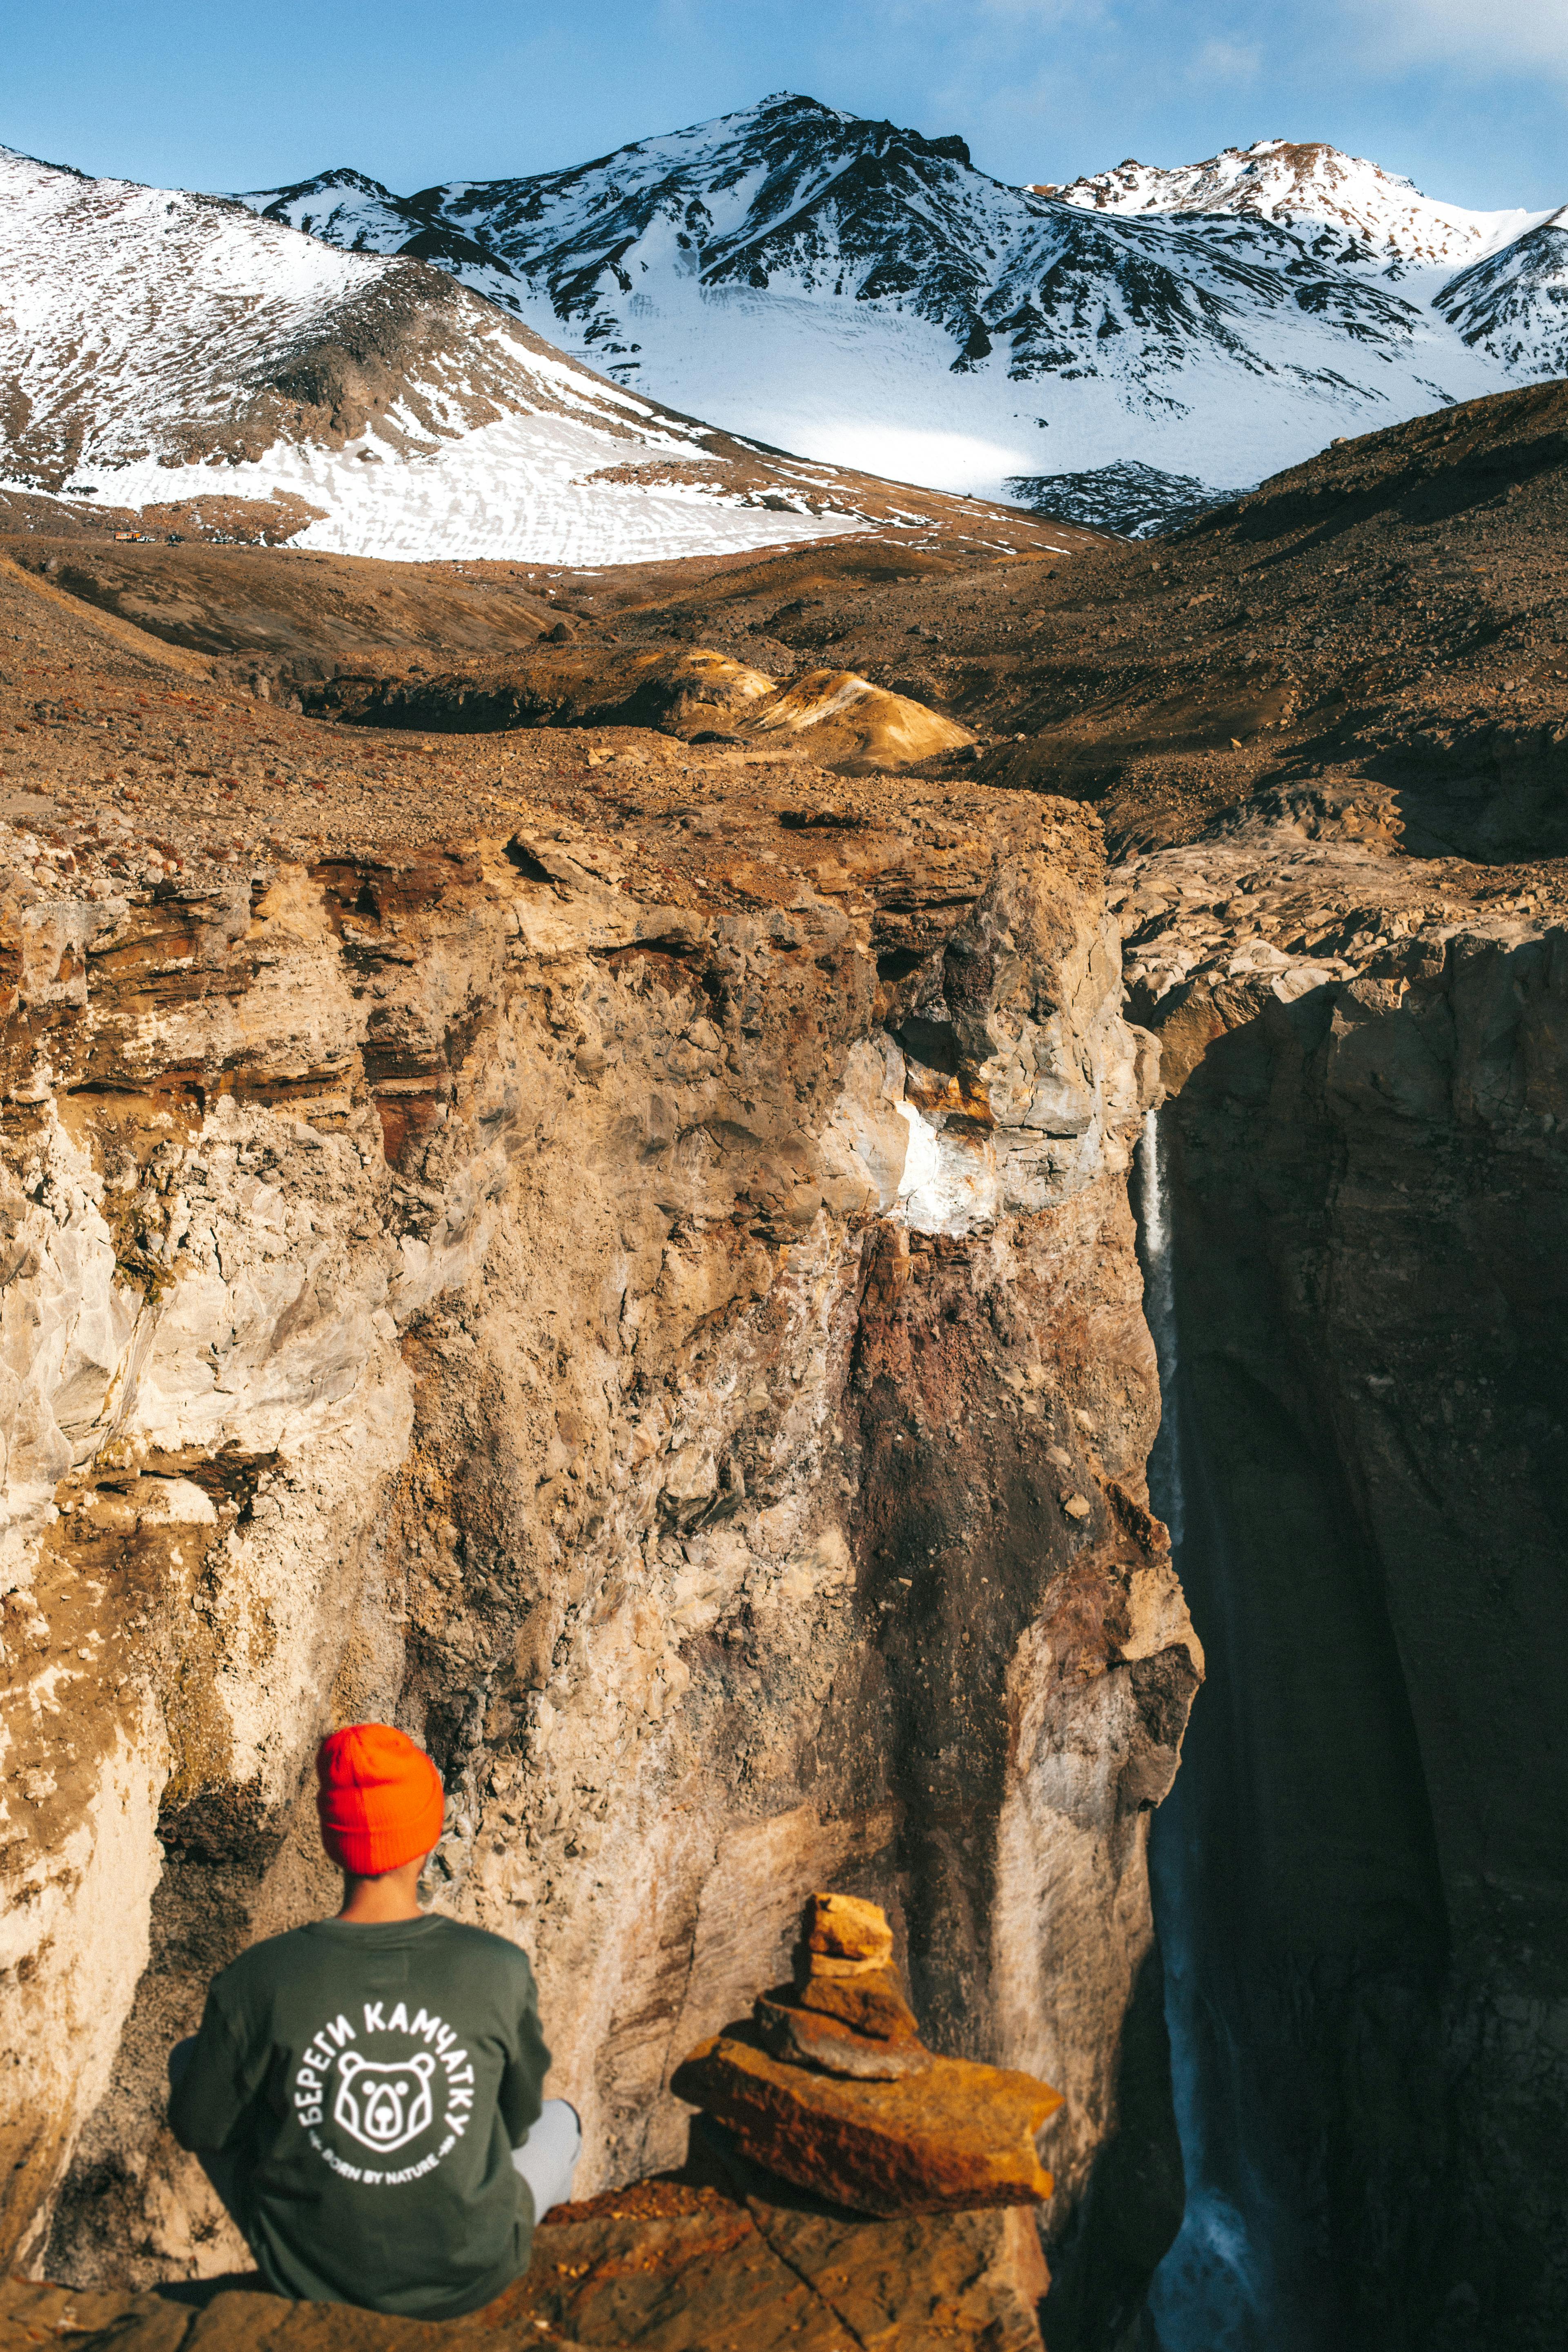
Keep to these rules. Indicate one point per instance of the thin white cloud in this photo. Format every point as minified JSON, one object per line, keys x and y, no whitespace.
{"x":964,"y":21}
{"x":1507,"y":36}
{"x":1235,"y":62}
{"x":1053,"y":13}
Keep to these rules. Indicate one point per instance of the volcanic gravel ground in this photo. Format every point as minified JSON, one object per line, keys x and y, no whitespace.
{"x":1369,"y":655}
{"x":1392,"y":616}
{"x":126,"y":768}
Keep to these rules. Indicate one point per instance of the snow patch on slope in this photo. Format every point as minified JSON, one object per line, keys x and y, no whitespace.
{"x":522,"y":489}
{"x":158,"y":347}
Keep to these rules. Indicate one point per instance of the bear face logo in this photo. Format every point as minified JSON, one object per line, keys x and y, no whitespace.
{"x":384,"y":2107}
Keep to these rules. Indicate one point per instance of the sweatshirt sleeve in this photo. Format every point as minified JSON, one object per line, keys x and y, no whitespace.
{"x":207,"y":2105}
{"x":521,"y":2097}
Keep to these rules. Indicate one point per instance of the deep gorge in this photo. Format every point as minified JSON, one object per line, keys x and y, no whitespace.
{"x":842,"y":1565}
{"x":696,"y":1382}
{"x":1358,"y":1880}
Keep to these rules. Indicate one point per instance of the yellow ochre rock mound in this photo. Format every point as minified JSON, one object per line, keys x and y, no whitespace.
{"x":839,"y":717}
{"x":849,"y":719}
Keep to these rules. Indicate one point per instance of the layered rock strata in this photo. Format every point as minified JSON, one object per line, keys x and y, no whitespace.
{"x":649,"y":1304}
{"x":955,"y":2138}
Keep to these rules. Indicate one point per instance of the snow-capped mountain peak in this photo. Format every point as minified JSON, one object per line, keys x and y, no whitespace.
{"x":1298,"y":183}
{"x":348,"y":209}
{"x":864,"y":294}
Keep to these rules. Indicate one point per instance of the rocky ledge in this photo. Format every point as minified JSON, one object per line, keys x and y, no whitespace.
{"x":728,"y":2252}
{"x":736,"y":2265}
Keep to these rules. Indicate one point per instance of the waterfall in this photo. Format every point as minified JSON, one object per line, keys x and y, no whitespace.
{"x":1237,"y":2278}
{"x":1160,"y":1310}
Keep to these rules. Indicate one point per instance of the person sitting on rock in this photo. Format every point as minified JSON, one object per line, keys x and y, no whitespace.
{"x":364,"y":2092}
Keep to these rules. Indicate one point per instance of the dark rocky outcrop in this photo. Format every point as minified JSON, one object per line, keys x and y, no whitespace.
{"x":1368,"y":1192}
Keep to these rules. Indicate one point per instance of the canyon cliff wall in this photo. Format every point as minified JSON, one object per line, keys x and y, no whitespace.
{"x":651,"y":1305}
{"x":1369,"y":1199}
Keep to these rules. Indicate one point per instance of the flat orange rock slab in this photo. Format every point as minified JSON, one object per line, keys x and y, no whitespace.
{"x":956,"y":2138}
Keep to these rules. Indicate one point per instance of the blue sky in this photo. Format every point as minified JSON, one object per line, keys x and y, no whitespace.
{"x":1469,"y":98}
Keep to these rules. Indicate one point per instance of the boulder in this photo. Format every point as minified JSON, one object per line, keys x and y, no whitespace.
{"x":805,"y":2037}
{"x":955,"y":2138}
{"x":873,"y":2005}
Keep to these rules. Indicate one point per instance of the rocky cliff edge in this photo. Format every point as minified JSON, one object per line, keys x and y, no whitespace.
{"x":647,"y":1300}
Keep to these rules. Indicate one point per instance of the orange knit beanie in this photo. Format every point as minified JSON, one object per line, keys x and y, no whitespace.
{"x":380,"y":1800}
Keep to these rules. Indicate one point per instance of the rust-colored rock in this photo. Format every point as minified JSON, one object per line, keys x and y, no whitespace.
{"x":955,"y":2138}
{"x":869,"y":2004}
{"x":847,"y":1937}
{"x":805,"y":2037}
{"x":847,"y":1944}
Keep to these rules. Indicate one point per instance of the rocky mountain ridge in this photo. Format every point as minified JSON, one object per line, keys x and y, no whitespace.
{"x":208,"y":373}
{"x":1380,"y":220}
{"x":864,"y":294}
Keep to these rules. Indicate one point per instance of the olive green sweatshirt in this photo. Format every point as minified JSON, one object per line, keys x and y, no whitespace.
{"x":372,"y":2082}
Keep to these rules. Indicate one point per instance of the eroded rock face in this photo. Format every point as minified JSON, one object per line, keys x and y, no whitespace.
{"x":1367,"y":1194}
{"x":653,"y":1310}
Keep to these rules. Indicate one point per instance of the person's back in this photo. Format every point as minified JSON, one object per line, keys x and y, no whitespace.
{"x":359,"y":2085}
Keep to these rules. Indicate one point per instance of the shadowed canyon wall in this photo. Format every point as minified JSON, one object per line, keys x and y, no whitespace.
{"x":655,"y":1311}
{"x":1368,"y":1215}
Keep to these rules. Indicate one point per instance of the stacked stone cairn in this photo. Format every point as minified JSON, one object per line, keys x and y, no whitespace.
{"x":829,"y":2086}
